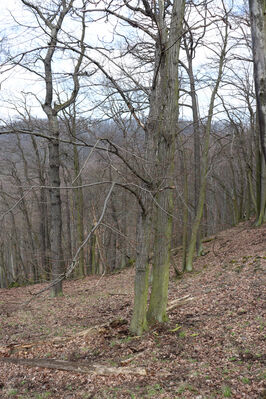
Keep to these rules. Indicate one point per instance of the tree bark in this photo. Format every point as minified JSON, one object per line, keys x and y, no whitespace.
{"x":79,"y":203}
{"x":262,"y":213}
{"x":55,"y":208}
{"x":139,"y":321}
{"x":258,"y":31}
{"x":163,"y":125}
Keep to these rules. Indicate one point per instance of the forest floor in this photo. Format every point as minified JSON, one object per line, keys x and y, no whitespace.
{"x":212,"y":346}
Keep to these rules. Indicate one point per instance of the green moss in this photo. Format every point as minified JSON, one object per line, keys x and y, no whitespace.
{"x":154,"y":390}
{"x":182,"y":334}
{"x":186,"y":387}
{"x":12,"y":392}
{"x":44,"y":395}
{"x":226,"y":391}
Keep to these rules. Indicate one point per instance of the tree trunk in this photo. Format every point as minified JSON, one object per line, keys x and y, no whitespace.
{"x":163,"y":125}
{"x":258,"y":31}
{"x":204,"y":169}
{"x":161,"y":259}
{"x":93,"y":255}
{"x":262,"y":214}
{"x":196,"y":137}
{"x":79,"y":203}
{"x":139,"y":322}
{"x":68,"y":241}
{"x":185,"y":209}
{"x":55,"y":209}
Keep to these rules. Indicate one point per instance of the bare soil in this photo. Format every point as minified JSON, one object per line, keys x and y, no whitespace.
{"x":212,"y":347}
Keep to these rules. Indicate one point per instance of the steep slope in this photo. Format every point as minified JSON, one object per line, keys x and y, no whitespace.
{"x":212,"y":346}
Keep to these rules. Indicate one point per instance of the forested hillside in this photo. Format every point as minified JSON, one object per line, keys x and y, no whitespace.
{"x":132,"y":198}
{"x":78,"y":346}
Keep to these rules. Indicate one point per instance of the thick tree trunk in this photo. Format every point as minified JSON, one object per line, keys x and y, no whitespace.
{"x":262,"y":213}
{"x":161,"y":259}
{"x":43,"y":217}
{"x":139,"y":322}
{"x":258,"y":30}
{"x":55,"y":209}
{"x":164,"y":128}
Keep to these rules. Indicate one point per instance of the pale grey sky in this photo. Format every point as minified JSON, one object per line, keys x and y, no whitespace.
{"x":17,"y":82}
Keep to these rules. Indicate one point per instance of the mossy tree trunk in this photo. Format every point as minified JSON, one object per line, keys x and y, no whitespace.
{"x":258,"y":31}
{"x":161,"y":259}
{"x":163,"y":126}
{"x":139,"y":321}
{"x":262,"y":214}
{"x":161,"y":131}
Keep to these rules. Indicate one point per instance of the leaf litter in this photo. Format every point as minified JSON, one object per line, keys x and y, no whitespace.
{"x":212,"y":346}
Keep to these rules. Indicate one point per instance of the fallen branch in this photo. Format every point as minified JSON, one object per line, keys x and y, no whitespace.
{"x":76,"y":367}
{"x":179,"y":302}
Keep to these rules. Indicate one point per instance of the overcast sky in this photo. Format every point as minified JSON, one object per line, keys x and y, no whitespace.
{"x":17,"y":82}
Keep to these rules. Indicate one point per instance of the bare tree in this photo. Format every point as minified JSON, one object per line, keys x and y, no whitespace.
{"x":50,"y":20}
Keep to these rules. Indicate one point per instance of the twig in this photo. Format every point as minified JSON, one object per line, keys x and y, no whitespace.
{"x":100,"y":279}
{"x":117,"y":293}
{"x":86,"y":161}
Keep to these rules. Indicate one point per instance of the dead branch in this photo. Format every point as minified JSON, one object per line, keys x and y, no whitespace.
{"x":76,"y":367}
{"x":179,"y":302}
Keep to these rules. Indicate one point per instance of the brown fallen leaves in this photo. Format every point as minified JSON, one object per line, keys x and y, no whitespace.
{"x":212,"y":346}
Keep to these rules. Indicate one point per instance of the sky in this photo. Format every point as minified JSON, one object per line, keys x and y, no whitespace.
{"x":17,"y":83}
{"x":20,"y":88}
